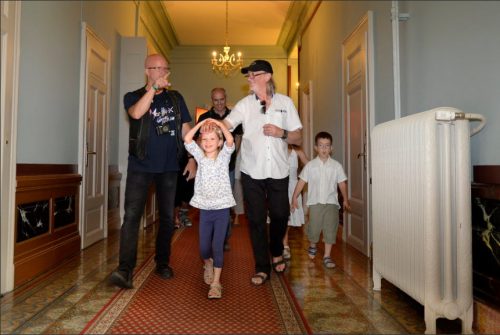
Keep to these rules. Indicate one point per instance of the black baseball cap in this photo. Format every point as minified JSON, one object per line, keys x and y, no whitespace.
{"x":258,"y":65}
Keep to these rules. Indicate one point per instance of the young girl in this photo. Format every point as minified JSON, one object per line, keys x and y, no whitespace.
{"x":212,"y":195}
{"x":297,"y":216}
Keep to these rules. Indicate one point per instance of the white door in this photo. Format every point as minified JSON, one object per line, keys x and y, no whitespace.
{"x":95,"y":172}
{"x":355,"y":85}
{"x":306,"y":112}
{"x":11,"y":12}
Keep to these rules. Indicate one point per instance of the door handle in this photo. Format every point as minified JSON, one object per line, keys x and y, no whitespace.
{"x":361,"y":154}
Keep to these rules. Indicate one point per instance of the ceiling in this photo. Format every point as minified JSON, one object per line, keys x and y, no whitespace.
{"x":249,"y":22}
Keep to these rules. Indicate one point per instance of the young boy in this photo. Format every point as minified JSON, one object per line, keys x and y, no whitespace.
{"x":323,"y":175}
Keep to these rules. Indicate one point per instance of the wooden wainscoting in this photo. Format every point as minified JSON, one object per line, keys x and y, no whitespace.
{"x":47,"y":218}
{"x":114,"y":180}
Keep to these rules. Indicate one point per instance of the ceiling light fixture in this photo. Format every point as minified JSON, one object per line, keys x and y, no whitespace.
{"x":224,"y":63}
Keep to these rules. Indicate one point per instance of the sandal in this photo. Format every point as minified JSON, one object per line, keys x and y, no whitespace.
{"x":311,"y":251}
{"x":208,"y":273}
{"x":277,"y":264}
{"x":259,"y":278}
{"x":328,"y":263}
{"x":286,"y":253}
{"x":185,"y":220}
{"x":215,"y":291}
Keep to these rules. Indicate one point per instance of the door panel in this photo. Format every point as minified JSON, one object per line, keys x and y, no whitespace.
{"x":95,"y":160}
{"x":355,"y":112}
{"x":10,"y":20}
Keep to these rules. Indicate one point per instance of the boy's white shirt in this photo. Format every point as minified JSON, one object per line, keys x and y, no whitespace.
{"x":322,"y":178}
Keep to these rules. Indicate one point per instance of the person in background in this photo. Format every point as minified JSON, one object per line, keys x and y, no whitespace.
{"x":270,"y":122}
{"x":322,"y":174}
{"x":158,"y":119}
{"x":239,"y":209}
{"x":296,"y":218}
{"x":184,"y":193}
{"x":212,"y":195}
{"x":220,"y":111}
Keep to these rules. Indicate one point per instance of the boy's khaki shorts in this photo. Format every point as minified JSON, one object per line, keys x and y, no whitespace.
{"x":323,"y":218}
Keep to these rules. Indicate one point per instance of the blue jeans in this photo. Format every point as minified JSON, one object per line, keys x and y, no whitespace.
{"x":261,"y":196}
{"x":136,"y":193}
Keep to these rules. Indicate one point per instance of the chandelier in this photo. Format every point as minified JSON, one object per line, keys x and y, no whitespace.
{"x":225,"y":63}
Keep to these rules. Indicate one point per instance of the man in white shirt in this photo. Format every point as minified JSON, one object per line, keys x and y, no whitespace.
{"x":271,"y":122}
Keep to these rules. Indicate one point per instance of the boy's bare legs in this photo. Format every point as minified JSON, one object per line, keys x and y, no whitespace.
{"x":286,"y":248}
{"x":327,"y":261}
{"x":328,"y":250}
{"x":312,"y":250}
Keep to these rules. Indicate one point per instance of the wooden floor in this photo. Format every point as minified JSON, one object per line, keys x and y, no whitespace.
{"x":339,"y":300}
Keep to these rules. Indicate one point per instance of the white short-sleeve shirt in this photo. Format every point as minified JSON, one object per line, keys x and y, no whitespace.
{"x":322,"y":179}
{"x":264,"y":156}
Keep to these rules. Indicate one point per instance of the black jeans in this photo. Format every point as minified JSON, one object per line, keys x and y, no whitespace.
{"x":136,"y":193}
{"x":261,"y":196}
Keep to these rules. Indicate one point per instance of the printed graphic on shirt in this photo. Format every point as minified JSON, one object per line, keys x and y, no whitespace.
{"x":162,"y":119}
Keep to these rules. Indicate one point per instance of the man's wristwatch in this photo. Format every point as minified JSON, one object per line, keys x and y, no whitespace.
{"x":285,"y":134}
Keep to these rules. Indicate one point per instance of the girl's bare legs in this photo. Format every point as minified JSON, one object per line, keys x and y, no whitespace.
{"x":217,"y":273}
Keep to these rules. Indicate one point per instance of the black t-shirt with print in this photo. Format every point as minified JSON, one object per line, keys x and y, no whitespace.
{"x":161,"y":150}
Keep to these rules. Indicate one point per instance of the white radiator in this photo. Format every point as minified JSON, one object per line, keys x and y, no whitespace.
{"x":422,"y":211}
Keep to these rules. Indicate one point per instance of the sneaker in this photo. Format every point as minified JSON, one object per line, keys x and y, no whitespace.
{"x":122,"y":279}
{"x":286,"y":253}
{"x":164,"y":271}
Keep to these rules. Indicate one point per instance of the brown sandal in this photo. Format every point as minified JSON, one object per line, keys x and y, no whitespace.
{"x":215,"y":291}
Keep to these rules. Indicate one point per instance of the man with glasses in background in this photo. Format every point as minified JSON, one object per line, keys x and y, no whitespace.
{"x":270,"y":122}
{"x":159,"y":118}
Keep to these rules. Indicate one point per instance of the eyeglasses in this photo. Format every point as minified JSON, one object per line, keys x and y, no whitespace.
{"x":159,"y":68}
{"x":253,"y":75}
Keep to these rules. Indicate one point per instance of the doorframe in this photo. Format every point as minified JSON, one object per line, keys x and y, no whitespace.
{"x":8,"y":183}
{"x":370,"y":120}
{"x":306,"y":112}
{"x":82,"y":132}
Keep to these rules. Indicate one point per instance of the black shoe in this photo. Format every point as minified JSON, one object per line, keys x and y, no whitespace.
{"x":165,"y":271}
{"x":121,"y":279}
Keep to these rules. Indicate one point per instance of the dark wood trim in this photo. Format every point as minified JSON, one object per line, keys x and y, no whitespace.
{"x":114,"y":173}
{"x":32,"y":182}
{"x":39,"y":253}
{"x":487,"y":174}
{"x":45,"y":169}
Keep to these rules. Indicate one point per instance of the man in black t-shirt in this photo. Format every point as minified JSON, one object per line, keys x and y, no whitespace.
{"x":159,"y":118}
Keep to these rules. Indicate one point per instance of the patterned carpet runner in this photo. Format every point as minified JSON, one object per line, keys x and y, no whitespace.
{"x":180,"y":305}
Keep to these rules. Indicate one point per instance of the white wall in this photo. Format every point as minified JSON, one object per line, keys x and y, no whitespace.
{"x":321,"y":61}
{"x":49,"y":82}
{"x":50,"y":75}
{"x":193,"y":77}
{"x":451,"y":57}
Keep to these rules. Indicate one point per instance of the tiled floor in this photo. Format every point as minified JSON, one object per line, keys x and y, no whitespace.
{"x":336,"y":300}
